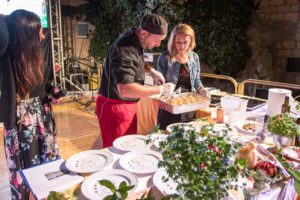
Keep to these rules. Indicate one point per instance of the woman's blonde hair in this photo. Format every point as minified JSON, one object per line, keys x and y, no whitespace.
{"x":180,"y":29}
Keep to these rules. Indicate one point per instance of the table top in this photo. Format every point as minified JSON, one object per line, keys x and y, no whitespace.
{"x":145,"y":180}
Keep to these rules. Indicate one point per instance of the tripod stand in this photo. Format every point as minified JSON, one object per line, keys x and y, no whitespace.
{"x":93,"y":81}
{"x":82,"y":76}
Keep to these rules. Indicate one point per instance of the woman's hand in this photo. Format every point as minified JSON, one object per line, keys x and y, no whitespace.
{"x":57,"y":95}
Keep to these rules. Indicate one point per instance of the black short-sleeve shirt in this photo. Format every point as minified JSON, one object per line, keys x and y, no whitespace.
{"x":124,"y":64}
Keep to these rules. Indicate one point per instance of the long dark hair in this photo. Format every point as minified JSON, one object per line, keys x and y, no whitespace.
{"x":25,"y":51}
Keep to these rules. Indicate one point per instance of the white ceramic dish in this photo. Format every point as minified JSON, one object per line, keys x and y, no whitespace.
{"x":89,"y":161}
{"x":141,"y":162}
{"x":239,"y":126}
{"x":169,"y":127}
{"x":165,"y":187}
{"x":131,"y":143}
{"x":177,"y":109}
{"x":92,"y":189}
{"x":156,"y":138}
{"x":292,"y":152}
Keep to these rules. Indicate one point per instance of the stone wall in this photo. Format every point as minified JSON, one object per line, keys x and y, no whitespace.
{"x":274,"y":36}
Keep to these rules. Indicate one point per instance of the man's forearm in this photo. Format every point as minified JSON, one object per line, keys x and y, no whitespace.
{"x":135,"y":90}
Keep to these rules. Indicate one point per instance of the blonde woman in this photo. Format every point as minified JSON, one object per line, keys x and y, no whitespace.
{"x":180,"y":65}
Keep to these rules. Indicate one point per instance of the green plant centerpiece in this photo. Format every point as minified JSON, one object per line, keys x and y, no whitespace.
{"x":284,"y":128}
{"x":202,"y":165}
{"x":283,"y":125}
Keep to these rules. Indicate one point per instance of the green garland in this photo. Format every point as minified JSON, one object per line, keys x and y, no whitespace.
{"x":202,"y":166}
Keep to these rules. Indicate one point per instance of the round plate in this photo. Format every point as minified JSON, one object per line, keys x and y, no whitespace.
{"x":131,"y":143}
{"x":141,"y":162}
{"x":165,"y":187}
{"x":89,"y":161}
{"x":156,"y":138}
{"x":92,"y":189}
{"x":169,"y":127}
{"x":220,"y":129}
{"x":241,"y":127}
{"x":292,"y":152}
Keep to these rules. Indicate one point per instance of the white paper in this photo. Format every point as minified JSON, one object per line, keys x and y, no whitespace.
{"x":51,"y":176}
{"x":276,"y":99}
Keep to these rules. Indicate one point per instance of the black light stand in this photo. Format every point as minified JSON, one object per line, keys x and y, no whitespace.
{"x":90,"y":80}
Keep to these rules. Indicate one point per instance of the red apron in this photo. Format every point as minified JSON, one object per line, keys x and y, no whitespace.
{"x":116,"y":118}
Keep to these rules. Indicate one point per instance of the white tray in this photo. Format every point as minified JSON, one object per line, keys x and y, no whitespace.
{"x":178,"y":109}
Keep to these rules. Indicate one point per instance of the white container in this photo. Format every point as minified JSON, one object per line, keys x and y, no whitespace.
{"x":276,"y":99}
{"x":178,"y":109}
{"x":283,"y":141}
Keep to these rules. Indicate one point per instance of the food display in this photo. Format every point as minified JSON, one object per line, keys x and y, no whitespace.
{"x":184,"y":102}
{"x":249,"y":127}
{"x":257,"y":161}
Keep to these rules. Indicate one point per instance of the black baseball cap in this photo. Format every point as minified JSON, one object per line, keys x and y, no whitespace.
{"x":154,"y":24}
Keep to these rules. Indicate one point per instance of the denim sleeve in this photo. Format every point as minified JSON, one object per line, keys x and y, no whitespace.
{"x":162,"y":64}
{"x":198,"y":82}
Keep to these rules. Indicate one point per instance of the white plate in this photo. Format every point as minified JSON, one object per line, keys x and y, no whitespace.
{"x":292,"y":152}
{"x":156,"y":138}
{"x":141,"y":162}
{"x":239,"y":126}
{"x":131,"y":143}
{"x":92,"y":189}
{"x":169,"y":127}
{"x":221,"y":129}
{"x":166,"y":188}
{"x":89,"y":161}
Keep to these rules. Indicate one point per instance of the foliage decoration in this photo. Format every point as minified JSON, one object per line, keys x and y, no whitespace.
{"x":202,"y":166}
{"x":66,"y":195}
{"x":120,"y":193}
{"x":220,"y":26}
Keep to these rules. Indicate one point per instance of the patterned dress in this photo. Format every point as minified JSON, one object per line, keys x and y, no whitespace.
{"x":33,"y":141}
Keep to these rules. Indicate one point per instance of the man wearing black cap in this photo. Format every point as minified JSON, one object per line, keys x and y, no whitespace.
{"x":123,"y":78}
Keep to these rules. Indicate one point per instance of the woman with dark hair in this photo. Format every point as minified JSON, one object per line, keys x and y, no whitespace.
{"x":29,"y":127}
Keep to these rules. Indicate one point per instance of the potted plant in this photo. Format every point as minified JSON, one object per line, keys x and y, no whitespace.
{"x":284,"y":128}
{"x":203,"y":166}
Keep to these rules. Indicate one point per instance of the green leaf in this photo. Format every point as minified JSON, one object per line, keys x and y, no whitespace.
{"x":297,"y":186}
{"x":108,"y":184}
{"x":123,"y":194}
{"x":122,"y":185}
{"x":294,"y":173}
{"x":110,"y":197}
{"x":125,"y":189}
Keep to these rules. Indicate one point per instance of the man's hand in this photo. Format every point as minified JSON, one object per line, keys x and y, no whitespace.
{"x":167,"y":89}
{"x":157,"y":77}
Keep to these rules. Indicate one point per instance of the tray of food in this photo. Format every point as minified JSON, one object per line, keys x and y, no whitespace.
{"x":184,"y":102}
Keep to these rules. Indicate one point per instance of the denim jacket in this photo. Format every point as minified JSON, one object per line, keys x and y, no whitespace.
{"x":170,"y":69}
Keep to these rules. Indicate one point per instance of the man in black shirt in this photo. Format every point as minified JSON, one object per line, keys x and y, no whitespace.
{"x":123,"y":77}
